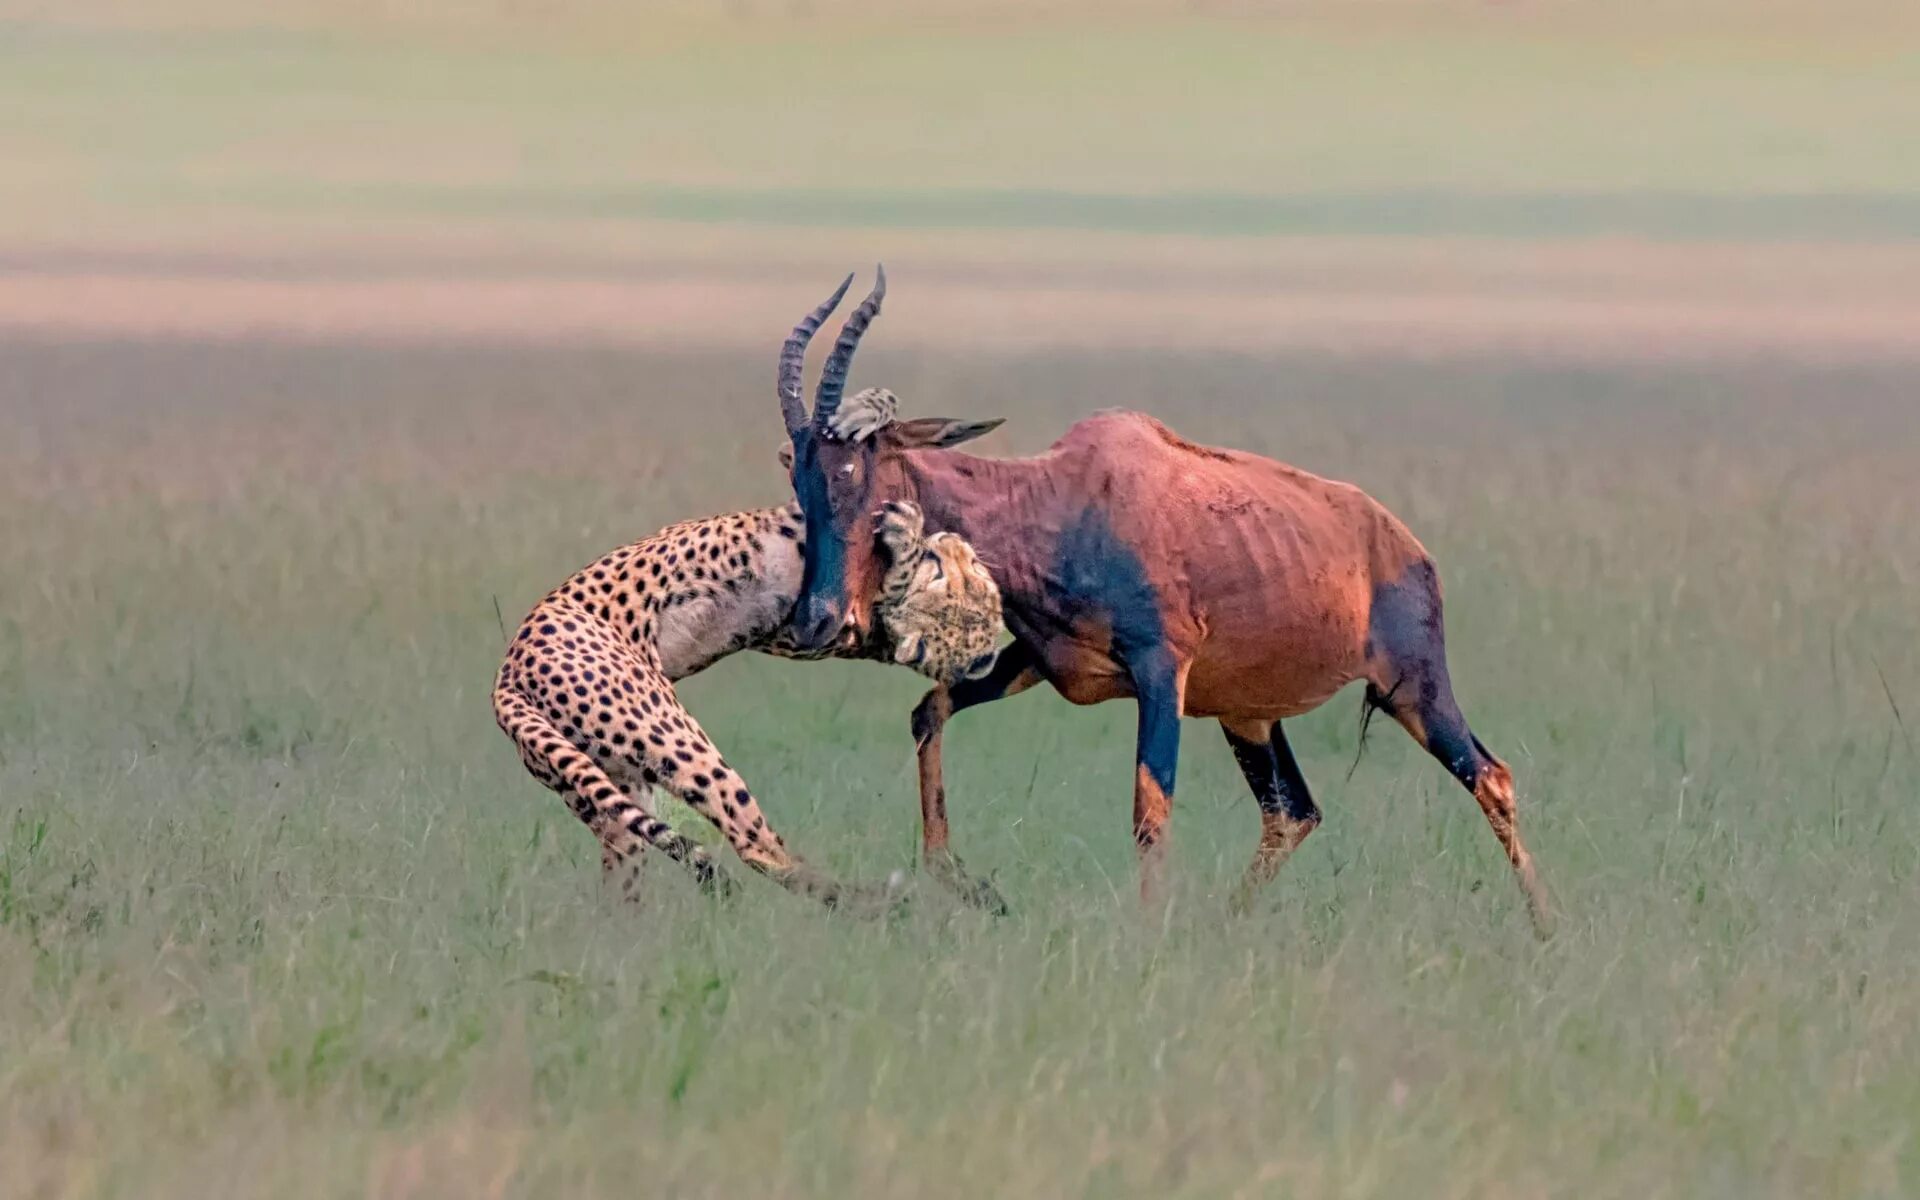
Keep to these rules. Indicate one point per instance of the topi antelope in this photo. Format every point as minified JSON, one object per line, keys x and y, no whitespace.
{"x":1131,"y":562}
{"x":586,"y":691}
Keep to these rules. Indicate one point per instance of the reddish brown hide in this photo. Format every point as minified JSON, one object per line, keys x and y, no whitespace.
{"x":1199,"y":581}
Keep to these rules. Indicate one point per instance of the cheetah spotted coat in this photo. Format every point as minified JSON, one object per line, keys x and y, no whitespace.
{"x":586,"y":691}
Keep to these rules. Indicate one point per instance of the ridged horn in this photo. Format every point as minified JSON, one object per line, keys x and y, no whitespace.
{"x":793,"y":359}
{"x":833,"y":376}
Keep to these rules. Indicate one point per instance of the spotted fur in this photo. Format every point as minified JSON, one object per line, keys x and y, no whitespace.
{"x":863,"y":414}
{"x":586,"y":691}
{"x":937,"y":603}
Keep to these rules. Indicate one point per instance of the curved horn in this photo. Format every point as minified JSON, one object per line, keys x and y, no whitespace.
{"x":833,"y":376}
{"x":793,"y":359}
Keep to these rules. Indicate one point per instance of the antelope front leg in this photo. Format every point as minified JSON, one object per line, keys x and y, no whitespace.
{"x":1159,"y":684}
{"x":1013,"y":672}
{"x":938,"y":858}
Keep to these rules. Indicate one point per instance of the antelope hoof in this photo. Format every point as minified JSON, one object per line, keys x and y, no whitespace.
{"x":898,"y":891}
{"x":870,"y":901}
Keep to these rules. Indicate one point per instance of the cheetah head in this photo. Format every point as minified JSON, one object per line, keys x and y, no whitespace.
{"x":938,"y":605}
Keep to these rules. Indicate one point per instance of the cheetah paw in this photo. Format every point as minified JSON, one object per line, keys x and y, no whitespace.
{"x":902,"y":530}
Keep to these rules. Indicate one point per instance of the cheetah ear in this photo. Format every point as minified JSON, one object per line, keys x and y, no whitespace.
{"x":786,"y":456}
{"x":910,"y":651}
{"x":940,"y":431}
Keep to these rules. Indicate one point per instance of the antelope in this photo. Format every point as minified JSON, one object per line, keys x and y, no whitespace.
{"x":1131,"y":562}
{"x":586,"y":689}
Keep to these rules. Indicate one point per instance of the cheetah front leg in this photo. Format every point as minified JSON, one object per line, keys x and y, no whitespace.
{"x":669,"y":750}
{"x":902,"y":533}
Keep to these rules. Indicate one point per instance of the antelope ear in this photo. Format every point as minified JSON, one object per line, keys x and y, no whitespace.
{"x":786,"y":456}
{"x":939,"y":432}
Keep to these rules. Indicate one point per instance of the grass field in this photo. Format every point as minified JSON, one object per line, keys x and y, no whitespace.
{"x":332,"y":337}
{"x":280,"y":914}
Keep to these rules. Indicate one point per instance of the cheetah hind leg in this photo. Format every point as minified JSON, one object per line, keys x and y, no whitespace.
{"x":702,"y":779}
{"x":622,"y":860}
{"x":713,"y":789}
{"x":623,"y":826}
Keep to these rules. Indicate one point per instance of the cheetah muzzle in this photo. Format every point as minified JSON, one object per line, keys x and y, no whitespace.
{"x":937,"y":605}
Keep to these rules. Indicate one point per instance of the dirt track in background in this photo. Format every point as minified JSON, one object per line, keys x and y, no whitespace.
{"x":1636,"y":300}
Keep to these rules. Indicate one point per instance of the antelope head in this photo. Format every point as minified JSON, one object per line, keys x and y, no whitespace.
{"x":845,"y":466}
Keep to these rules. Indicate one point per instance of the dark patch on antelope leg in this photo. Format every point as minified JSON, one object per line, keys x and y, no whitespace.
{"x":1013,"y":672}
{"x":1405,"y":629}
{"x":1101,"y":580}
{"x":1156,"y":684}
{"x":1287,"y":811}
{"x":1096,"y":574}
{"x":1407,"y":658}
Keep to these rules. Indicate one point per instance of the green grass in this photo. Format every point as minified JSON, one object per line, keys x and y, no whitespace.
{"x":280,"y":914}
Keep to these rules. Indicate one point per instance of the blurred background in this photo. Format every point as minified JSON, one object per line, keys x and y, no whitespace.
{"x":1411,"y":176}
{"x":333,"y":334}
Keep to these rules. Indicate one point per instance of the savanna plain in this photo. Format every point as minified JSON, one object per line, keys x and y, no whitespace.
{"x":281,"y":914}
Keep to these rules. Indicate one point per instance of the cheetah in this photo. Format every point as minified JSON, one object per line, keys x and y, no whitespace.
{"x":586,"y":689}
